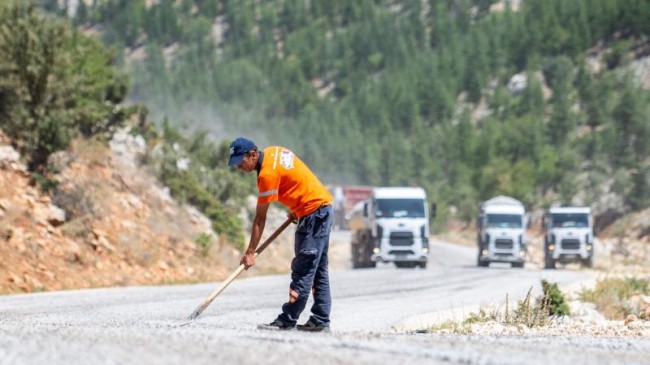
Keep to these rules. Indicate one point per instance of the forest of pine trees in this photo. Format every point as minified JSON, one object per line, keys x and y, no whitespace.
{"x":383,"y":92}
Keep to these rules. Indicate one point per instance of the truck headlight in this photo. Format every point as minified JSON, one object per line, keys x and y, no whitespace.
{"x":425,"y":250}
{"x":375,"y":250}
{"x":589,"y":247}
{"x":551,"y":247}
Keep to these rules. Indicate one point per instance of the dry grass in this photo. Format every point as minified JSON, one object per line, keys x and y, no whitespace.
{"x":610,"y":296}
{"x":92,"y":151}
{"x":74,"y":201}
{"x":80,"y":228}
{"x":529,"y":312}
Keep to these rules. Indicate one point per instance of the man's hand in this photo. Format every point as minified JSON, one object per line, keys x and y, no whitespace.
{"x":248,"y":259}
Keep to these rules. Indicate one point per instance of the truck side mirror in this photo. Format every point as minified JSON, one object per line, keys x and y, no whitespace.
{"x":434,"y":208}
{"x":365,"y":209}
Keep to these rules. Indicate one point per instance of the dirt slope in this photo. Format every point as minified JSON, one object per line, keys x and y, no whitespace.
{"x":108,"y":223}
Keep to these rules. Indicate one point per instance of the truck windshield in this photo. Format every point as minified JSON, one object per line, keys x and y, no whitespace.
{"x":504,"y":221}
{"x":570,"y":220}
{"x":400,"y":208}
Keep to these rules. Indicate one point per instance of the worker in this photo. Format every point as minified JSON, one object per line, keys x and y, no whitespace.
{"x":283,"y":177}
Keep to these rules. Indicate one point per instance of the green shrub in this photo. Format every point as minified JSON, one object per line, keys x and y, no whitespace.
{"x":45,"y":183}
{"x":227,"y":223}
{"x":55,"y":83}
{"x":204,"y":241}
{"x":185,"y":186}
{"x":553,"y":299}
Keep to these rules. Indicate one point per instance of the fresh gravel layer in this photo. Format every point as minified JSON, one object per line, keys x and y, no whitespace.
{"x":574,"y":328}
{"x":539,"y":349}
{"x":209,"y":345}
{"x":139,"y":325}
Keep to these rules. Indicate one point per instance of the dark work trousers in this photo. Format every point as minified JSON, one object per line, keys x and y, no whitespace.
{"x":309,"y":269}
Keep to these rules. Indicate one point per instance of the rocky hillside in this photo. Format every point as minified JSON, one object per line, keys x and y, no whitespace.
{"x":107,"y":223}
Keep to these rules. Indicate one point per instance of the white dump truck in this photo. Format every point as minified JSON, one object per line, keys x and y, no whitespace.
{"x":501,"y":236}
{"x":569,"y":236}
{"x":392,"y":225}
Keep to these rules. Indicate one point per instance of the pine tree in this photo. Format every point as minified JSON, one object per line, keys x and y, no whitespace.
{"x":56,"y":83}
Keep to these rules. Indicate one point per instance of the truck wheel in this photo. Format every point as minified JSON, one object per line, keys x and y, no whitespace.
{"x":480,"y":263}
{"x":588,"y":262}
{"x":549,"y":263}
{"x":355,"y":257}
{"x":423,"y":265}
{"x":518,"y":265}
{"x":365,"y":256}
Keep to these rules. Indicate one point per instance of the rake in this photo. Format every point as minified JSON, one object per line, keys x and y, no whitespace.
{"x":236,"y":273}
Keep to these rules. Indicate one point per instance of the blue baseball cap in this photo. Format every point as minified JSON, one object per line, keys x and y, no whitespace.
{"x":238,"y":148}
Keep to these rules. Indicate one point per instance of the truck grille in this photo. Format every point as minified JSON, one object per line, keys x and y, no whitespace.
{"x":503,"y":243}
{"x":571,"y":244}
{"x":401,"y":253}
{"x":401,"y":238}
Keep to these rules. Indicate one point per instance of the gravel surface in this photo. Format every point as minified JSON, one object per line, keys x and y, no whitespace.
{"x":375,"y":319}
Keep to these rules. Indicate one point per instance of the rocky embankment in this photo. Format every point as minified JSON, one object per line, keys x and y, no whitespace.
{"x":107,"y":223}
{"x":584,"y":321}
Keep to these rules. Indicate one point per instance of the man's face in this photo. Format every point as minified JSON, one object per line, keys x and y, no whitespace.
{"x":248,"y":163}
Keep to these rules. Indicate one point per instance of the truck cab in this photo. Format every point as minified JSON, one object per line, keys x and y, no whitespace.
{"x":392,"y":225}
{"x":501,"y":234}
{"x":568,"y":236}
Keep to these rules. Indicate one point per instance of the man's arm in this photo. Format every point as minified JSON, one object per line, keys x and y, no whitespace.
{"x":259,"y":222}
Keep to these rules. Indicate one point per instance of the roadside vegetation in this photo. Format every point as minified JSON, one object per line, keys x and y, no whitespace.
{"x":530,"y":312}
{"x":612,"y":297}
{"x":196,"y":172}
{"x":55,"y":84}
{"x":616,"y":299}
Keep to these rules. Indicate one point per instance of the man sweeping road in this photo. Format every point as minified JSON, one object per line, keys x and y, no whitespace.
{"x":283,"y":177}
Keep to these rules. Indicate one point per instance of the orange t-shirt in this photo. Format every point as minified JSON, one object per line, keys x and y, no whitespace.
{"x":285,"y":178}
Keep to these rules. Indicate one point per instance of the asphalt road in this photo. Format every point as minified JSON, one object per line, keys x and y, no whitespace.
{"x":375,"y":315}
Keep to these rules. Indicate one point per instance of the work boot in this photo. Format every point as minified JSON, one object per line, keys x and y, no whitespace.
{"x":276,"y":325}
{"x":310,"y":326}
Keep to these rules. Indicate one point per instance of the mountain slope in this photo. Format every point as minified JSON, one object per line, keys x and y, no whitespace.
{"x":108,"y":223}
